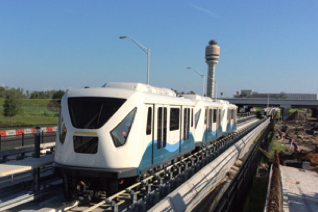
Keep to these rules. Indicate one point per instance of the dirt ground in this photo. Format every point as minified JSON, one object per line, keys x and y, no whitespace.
{"x":300,"y":135}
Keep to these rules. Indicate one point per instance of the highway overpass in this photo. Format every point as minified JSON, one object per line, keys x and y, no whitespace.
{"x":284,"y":104}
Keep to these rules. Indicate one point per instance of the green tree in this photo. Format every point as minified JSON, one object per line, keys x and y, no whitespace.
{"x":282,"y":96}
{"x":34,"y":95}
{"x":2,"y":92}
{"x":175,"y":91}
{"x":58,"y":94}
{"x":243,"y":94}
{"x":41,"y":95}
{"x":12,"y":104}
{"x":27,"y":94}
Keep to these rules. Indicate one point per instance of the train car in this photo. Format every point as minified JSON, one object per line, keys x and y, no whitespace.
{"x":229,"y":117}
{"x":122,"y":132}
{"x":118,"y":132}
{"x":207,"y":119}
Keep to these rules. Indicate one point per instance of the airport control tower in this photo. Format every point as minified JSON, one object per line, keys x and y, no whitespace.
{"x":212,"y":54}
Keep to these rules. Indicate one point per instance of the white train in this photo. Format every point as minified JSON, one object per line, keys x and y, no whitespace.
{"x":123,"y":131}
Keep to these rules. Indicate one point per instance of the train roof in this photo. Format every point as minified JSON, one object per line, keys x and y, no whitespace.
{"x":146,"y":93}
{"x":196,"y":97}
{"x":140,"y":87}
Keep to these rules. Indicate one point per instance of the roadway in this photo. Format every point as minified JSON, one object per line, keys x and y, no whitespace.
{"x":273,"y":102}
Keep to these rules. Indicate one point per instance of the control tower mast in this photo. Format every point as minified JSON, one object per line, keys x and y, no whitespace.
{"x":212,"y":54}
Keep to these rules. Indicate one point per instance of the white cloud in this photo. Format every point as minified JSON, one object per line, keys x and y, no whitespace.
{"x":205,"y":10}
{"x":2,"y":84}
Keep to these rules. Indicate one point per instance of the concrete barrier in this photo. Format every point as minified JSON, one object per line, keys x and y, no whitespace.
{"x":3,"y":133}
{"x":187,"y":196}
{"x":19,"y":131}
{"x":10,"y":132}
{"x":28,"y":131}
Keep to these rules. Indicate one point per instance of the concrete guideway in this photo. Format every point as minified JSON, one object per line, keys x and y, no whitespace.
{"x":220,"y":160}
{"x":13,"y":173}
{"x":190,"y":194}
{"x":15,"y":167}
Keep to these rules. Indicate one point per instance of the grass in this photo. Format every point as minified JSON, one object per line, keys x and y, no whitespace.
{"x":31,"y":102}
{"x":292,"y":110}
{"x":256,"y":197}
{"x":28,"y":121}
{"x":34,"y":113}
{"x":278,"y":115}
{"x":274,"y":144}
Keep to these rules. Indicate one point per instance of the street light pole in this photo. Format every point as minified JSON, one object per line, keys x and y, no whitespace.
{"x":202,"y":75}
{"x":144,"y":49}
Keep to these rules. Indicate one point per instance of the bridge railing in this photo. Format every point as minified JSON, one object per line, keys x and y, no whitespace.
{"x":24,"y":140}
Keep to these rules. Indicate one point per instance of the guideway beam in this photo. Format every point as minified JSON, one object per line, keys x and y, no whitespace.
{"x":191,"y":193}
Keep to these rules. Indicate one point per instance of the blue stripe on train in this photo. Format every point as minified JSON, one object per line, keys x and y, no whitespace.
{"x":164,"y":153}
{"x":230,"y":128}
{"x":210,"y":135}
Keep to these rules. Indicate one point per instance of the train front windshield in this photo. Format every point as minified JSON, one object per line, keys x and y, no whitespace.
{"x":92,"y":112}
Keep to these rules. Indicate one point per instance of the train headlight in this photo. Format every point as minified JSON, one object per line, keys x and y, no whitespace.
{"x":121,"y":132}
{"x":62,"y":129}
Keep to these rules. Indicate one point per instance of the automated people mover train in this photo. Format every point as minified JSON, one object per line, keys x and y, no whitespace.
{"x":121,"y":132}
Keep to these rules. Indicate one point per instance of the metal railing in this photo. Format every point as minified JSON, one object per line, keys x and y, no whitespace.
{"x":24,"y":140}
{"x":275,"y":193}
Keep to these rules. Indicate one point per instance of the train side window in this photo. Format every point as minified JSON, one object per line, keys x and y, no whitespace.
{"x":165,"y":127}
{"x":192,"y":117}
{"x":228,"y":114}
{"x":149,"y":118}
{"x":205,"y":115}
{"x":186,"y":123}
{"x":214,"y":115}
{"x":197,"y":116}
{"x":162,"y":128}
{"x":220,"y":117}
{"x":210,"y":118}
{"x":174,"y":118}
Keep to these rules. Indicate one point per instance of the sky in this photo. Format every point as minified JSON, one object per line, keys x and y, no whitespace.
{"x":268,"y":46}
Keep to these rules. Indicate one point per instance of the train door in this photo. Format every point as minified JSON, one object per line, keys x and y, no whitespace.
{"x":185,"y":142}
{"x":192,"y":128}
{"x":235,"y":119}
{"x":206,"y":126}
{"x":228,"y":120}
{"x":219,"y":130}
{"x":174,"y":129}
{"x":150,"y":133}
{"x":214,"y":121}
{"x":160,"y":133}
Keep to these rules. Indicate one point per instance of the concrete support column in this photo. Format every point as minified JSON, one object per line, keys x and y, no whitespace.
{"x":248,"y":108}
{"x":314,"y":112}
{"x":284,"y":110}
